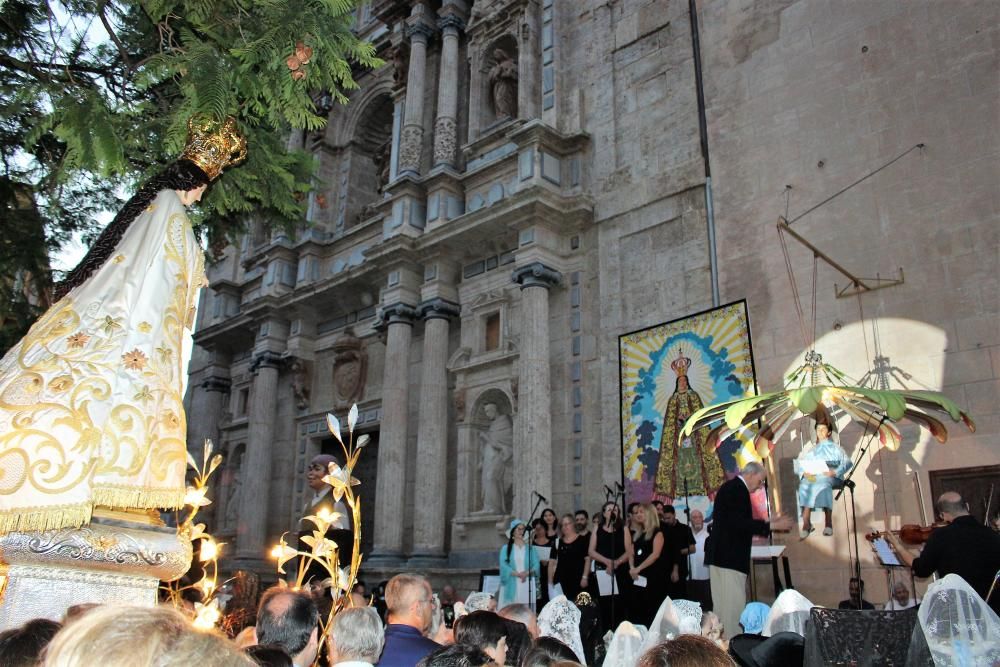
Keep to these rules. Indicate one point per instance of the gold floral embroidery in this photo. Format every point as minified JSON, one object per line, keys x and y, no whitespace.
{"x":165,"y":353}
{"x":119,"y":259}
{"x":145,"y":327}
{"x":61,"y":384}
{"x":144,"y":395}
{"x":134,"y":360}
{"x":78,"y":340}
{"x":111,"y":323}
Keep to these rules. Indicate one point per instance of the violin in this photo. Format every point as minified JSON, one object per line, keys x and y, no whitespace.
{"x":909,"y":533}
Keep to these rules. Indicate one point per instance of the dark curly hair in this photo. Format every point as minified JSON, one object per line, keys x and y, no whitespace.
{"x":181,"y":175}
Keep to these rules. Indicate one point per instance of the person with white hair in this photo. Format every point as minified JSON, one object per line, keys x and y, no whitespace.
{"x":901,"y":598}
{"x":727,"y":551}
{"x":356,"y":638}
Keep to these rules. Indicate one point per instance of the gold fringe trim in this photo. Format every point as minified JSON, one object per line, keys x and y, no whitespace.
{"x":38,"y":519}
{"x":125,"y":497}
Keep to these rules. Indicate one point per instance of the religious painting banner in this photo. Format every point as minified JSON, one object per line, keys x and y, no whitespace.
{"x":667,"y":372}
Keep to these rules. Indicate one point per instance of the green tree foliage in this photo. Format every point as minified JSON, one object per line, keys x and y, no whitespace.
{"x":95,"y":97}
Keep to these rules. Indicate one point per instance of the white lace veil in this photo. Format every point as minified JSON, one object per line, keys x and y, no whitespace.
{"x":478,"y":601}
{"x":628,"y":643}
{"x":674,"y":617}
{"x":560,"y":619}
{"x":789,"y":613}
{"x":960,"y":628}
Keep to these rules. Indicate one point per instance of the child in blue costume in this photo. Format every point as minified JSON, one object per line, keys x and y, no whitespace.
{"x":816,"y":491}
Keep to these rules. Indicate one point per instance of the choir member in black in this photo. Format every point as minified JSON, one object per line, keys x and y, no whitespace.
{"x":679,"y":542}
{"x":610,"y":549}
{"x":647,"y":565}
{"x":571,"y":566}
{"x":540,"y":538}
{"x":551,"y":522}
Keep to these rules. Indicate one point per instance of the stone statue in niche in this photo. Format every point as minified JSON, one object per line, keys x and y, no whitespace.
{"x":383,"y":164}
{"x":503,"y":83}
{"x":497,"y":455}
{"x":400,"y":64}
{"x":459,"y":400}
{"x":235,"y":495}
{"x":300,"y":383}
{"x":350,"y":369}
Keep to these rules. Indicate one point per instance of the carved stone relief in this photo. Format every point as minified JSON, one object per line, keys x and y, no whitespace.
{"x":350,"y":370}
{"x":411,"y":139}
{"x":444,"y":140}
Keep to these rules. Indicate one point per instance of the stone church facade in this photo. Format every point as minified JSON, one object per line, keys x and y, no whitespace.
{"x":524,"y":181}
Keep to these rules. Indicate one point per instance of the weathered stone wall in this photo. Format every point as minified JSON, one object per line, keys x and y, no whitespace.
{"x":814,"y":95}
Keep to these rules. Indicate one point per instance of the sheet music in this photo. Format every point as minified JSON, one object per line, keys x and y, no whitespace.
{"x":640,"y":581}
{"x":543,"y":553}
{"x":885,"y":552}
{"x":605,"y":583}
{"x":813,"y":467}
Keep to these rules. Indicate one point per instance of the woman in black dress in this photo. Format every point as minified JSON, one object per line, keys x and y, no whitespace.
{"x":646,"y":565}
{"x":539,"y":538}
{"x":611,"y":549}
{"x":571,"y":566}
{"x":551,"y":524}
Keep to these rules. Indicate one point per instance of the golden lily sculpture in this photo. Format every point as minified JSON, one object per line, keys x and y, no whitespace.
{"x":322,"y":550}
{"x":813,"y":390}
{"x":207,"y":612}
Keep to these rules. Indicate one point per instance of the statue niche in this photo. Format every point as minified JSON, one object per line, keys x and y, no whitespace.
{"x":503,"y":79}
{"x":495,"y":443}
{"x":369,"y":153}
{"x":350,"y":370}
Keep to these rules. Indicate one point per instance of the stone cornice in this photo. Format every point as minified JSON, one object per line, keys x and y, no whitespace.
{"x":217,"y":383}
{"x":536,"y":274}
{"x":421,"y":30}
{"x":438,"y":309}
{"x":451,"y":21}
{"x":267,"y":359}
{"x":399,"y":313}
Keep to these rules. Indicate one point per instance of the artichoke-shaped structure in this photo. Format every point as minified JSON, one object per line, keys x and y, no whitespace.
{"x":815,"y":390}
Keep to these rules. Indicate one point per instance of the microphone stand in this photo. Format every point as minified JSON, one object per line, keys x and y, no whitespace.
{"x":687,"y":515}
{"x":849,"y":484}
{"x":535,"y":509}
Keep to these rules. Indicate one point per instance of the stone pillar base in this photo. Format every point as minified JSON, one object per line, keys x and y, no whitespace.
{"x":117,"y":558}
{"x":386,"y":560}
{"x":426,"y":561}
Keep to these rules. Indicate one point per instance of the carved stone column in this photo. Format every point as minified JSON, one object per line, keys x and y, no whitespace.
{"x":210,"y":409}
{"x":432,"y":435}
{"x":533,"y":449}
{"x":391,"y":477}
{"x":446,"y":125}
{"x":254,"y":498}
{"x":412,"y":138}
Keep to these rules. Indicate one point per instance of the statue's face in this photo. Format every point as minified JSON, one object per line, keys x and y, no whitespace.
{"x":490,"y":410}
{"x":682,"y":383}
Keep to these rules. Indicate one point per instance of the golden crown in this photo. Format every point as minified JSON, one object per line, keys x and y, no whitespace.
{"x":213,"y":146}
{"x":681,"y":364}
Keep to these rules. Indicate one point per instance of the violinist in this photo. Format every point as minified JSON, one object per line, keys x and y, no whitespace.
{"x":963,"y":547}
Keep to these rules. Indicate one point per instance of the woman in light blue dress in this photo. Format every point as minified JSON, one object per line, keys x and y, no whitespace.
{"x":816,"y":490}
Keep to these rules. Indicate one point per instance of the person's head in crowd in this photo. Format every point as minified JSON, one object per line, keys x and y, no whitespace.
{"x":319,"y":467}
{"x":515,"y":535}
{"x":409,"y":601}
{"x":597,"y":519}
{"x":356,"y":636}
{"x":269,"y":656}
{"x":901,"y":593}
{"x":23,"y":646}
{"x":457,"y":655}
{"x":122,"y":636}
{"x":950,"y":506}
{"x":550,"y":519}
{"x":479,"y":601}
{"x":668,"y":515}
{"x":582,"y":520}
{"x":539,"y":533}
{"x":485,"y":630}
{"x":658,"y":506}
{"x":567,"y":526}
{"x":753,"y":474}
{"x":522,"y":614}
{"x":547,"y":651}
{"x":711,"y":627}
{"x":448,"y":595}
{"x":518,"y":642}
{"x":753,"y":617}
{"x":685,"y":651}
{"x":645,"y":521}
{"x":857,"y":589}
{"x":77,"y":610}
{"x":289,"y":620}
{"x":610,"y":516}
{"x":246,"y":637}
{"x":630,"y":510}
{"x":697,"y":520}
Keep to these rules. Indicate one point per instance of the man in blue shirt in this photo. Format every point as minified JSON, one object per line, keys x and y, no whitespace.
{"x":410,"y":607}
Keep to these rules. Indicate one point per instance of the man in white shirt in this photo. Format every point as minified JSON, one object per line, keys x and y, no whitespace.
{"x":900,"y":598}
{"x":698,"y":586}
{"x":356,"y":638}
